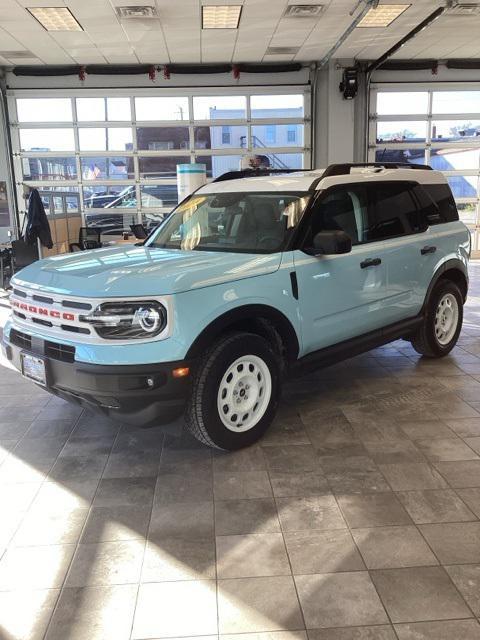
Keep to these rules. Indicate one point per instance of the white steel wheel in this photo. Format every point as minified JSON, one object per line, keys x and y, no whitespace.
{"x":244,"y":393}
{"x":446,"y":319}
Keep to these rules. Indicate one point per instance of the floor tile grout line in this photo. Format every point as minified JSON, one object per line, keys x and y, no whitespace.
{"x":77,"y":544}
{"x":292,"y":575}
{"x":217,"y":601}
{"x":445,"y":571}
{"x":146,"y":538}
{"x":27,"y":510}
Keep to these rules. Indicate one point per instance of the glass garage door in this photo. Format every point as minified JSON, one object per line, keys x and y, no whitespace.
{"x":113,"y":157}
{"x":440,"y":127}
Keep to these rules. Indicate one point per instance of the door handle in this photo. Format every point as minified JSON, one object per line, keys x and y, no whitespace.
{"x":428,"y":249}
{"x":370,"y":262}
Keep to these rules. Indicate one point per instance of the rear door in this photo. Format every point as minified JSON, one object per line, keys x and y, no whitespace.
{"x":341,"y":296}
{"x":400,"y":223}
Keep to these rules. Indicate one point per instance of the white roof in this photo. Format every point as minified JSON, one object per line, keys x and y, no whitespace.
{"x":303,"y":180}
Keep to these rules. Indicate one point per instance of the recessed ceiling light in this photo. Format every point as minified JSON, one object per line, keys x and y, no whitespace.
{"x":221,"y":16}
{"x":383,"y":15}
{"x":55,"y":18}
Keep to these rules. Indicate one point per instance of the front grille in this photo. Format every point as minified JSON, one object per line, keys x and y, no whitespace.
{"x":73,"y":304}
{"x":20,"y":339}
{"x":62,"y":352}
{"x":59,"y":316}
{"x":43,"y":299}
{"x":44,"y":323}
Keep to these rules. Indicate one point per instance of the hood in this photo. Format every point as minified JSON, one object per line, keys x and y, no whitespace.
{"x":137,"y":271}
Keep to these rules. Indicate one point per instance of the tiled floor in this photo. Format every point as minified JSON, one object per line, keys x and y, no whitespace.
{"x":357,"y":518}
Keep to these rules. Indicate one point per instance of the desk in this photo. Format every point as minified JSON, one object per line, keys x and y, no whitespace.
{"x":121,"y":241}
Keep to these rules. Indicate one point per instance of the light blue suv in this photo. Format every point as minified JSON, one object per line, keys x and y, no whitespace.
{"x":248,"y":279}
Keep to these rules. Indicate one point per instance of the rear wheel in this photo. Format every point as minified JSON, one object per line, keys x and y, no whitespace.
{"x":443,"y":321}
{"x":235,"y":392}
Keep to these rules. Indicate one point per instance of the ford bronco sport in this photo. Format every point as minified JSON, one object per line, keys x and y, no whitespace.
{"x":248,"y":279}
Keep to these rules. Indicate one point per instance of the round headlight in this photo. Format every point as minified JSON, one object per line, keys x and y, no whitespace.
{"x":128,"y":320}
{"x":149,"y":319}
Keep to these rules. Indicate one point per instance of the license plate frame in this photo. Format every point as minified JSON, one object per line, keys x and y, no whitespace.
{"x":34,"y":368}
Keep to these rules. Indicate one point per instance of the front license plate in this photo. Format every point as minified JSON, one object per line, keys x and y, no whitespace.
{"x":34,"y":368}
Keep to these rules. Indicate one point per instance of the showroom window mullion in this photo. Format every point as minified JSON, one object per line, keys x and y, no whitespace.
{"x":449,"y":153}
{"x":77,"y":160}
{"x":136,"y":169}
{"x":227,"y":156}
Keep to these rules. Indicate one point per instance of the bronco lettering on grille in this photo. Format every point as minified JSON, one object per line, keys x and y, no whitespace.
{"x":42,"y":311}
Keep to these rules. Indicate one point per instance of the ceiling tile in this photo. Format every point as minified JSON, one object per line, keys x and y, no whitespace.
{"x":177,"y":34}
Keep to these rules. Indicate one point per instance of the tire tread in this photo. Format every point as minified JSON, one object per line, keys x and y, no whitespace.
{"x":422,"y":340}
{"x":194,"y":415}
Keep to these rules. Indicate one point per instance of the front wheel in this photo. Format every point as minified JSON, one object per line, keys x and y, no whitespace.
{"x":443,"y":321}
{"x":235,"y":392}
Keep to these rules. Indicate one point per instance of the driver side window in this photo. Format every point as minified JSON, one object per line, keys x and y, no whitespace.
{"x":342,"y":209}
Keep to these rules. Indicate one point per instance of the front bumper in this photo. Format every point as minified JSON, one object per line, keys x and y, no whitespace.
{"x":143,"y":395}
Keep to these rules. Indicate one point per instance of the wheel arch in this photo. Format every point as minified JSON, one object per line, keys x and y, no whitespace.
{"x":454,"y":270}
{"x":256,"y":318}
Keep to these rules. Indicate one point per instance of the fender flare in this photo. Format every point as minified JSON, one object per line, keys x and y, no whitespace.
{"x":245,"y":313}
{"x":454,"y":264}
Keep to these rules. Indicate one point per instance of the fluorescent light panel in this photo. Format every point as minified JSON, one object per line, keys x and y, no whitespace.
{"x":55,"y":18}
{"x":383,"y":15}
{"x":221,"y":16}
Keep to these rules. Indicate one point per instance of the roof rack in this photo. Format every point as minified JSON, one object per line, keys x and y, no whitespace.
{"x":344,"y":169}
{"x":254,"y":173}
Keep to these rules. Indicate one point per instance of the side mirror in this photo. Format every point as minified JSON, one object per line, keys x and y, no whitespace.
{"x":328,"y":243}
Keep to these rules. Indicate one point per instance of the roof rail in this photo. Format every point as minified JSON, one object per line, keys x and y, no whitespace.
{"x":344,"y":169}
{"x":254,"y":173}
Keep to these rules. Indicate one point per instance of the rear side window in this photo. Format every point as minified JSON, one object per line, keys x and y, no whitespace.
{"x":442,"y":197}
{"x":394,"y":211}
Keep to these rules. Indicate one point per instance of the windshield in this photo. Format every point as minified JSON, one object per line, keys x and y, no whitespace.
{"x":233,"y":222}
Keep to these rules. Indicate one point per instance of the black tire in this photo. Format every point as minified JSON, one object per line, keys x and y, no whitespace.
{"x":202,"y":414}
{"x":425,"y":340}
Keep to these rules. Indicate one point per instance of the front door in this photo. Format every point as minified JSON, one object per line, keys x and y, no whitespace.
{"x":341,"y":296}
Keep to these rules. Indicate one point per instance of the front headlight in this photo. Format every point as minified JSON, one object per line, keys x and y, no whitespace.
{"x":128,"y":320}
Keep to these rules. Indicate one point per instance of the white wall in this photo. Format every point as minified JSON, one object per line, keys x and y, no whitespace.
{"x":5,"y":176}
{"x":335,"y":118}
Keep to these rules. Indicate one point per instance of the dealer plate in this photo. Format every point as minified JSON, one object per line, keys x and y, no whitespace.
{"x":34,"y":368}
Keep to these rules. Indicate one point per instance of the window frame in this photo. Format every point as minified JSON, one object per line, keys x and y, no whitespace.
{"x":410,"y":189}
{"x":304,"y":150}
{"x":431,"y":144}
{"x":304,"y":233}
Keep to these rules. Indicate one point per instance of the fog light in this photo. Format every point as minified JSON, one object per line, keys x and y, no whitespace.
{"x":181,"y":372}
